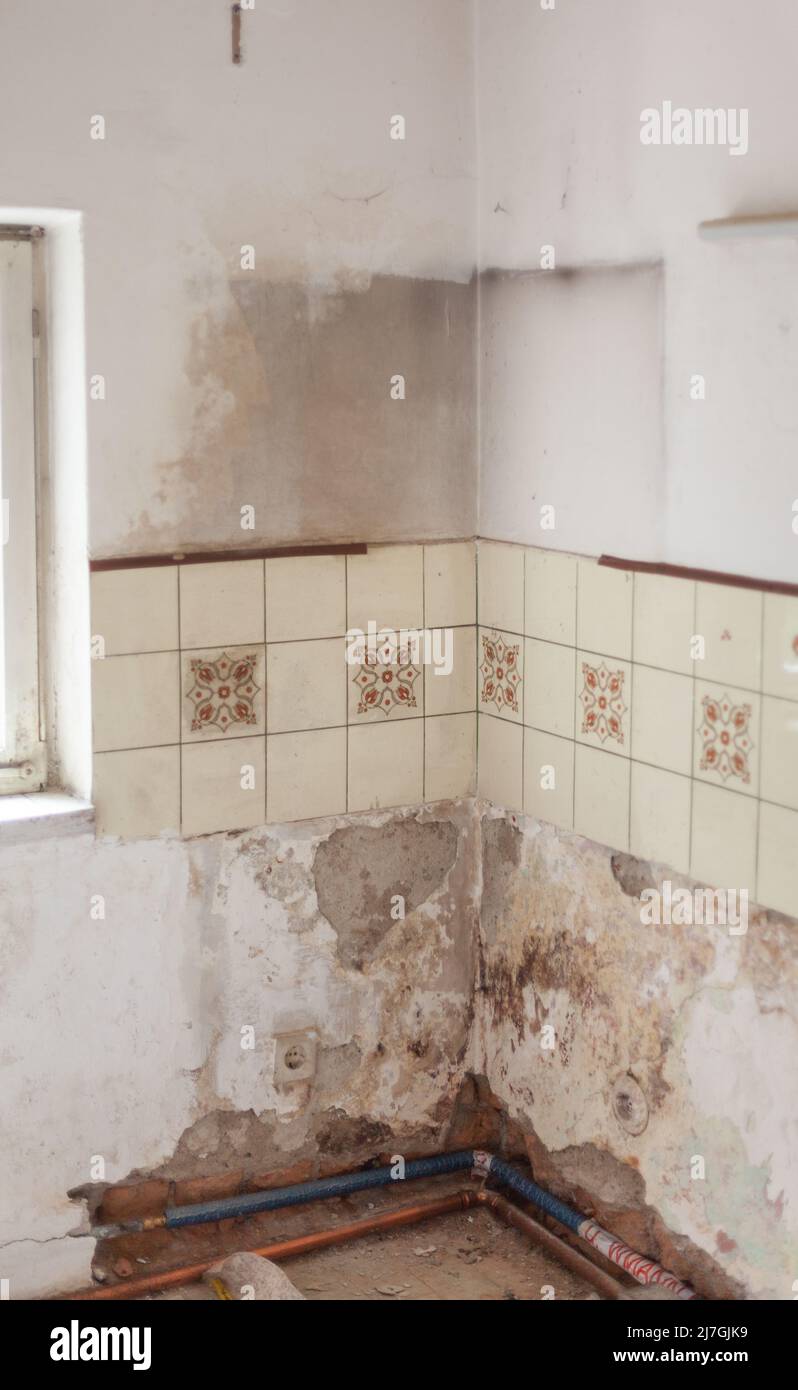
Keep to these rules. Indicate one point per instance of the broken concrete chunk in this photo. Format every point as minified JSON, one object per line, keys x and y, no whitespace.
{"x":249,"y":1277}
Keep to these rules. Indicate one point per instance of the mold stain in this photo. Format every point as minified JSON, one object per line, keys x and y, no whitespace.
{"x":292,"y":414}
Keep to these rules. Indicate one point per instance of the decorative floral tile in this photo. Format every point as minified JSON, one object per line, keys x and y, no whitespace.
{"x":222,"y":693}
{"x":603,"y":702}
{"x":385,"y":683}
{"x":501,"y":674}
{"x":725,"y":739}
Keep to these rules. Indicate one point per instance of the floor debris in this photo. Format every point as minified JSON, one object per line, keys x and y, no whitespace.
{"x":247,"y":1277}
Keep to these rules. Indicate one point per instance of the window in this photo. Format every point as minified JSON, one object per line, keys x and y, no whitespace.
{"x":23,"y":763}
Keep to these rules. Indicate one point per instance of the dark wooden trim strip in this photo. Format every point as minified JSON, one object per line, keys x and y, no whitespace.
{"x":737,"y":581}
{"x":209,"y":557}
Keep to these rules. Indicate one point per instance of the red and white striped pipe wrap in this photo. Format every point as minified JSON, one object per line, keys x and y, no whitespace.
{"x":643,"y":1270}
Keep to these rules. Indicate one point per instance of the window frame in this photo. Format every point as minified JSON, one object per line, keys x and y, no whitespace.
{"x":23,"y":750}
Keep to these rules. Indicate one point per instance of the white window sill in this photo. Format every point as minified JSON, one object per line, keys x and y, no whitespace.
{"x":42,"y":816}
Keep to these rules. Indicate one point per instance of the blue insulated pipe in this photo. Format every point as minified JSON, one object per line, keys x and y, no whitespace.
{"x":529,"y":1190}
{"x":315,"y":1190}
{"x":485,"y":1165}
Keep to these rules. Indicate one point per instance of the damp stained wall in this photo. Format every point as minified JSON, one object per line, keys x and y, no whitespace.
{"x":702,"y":1022}
{"x":119,"y":1033}
{"x":132,"y":977}
{"x":266,"y":387}
{"x":228,"y":387}
{"x":560,"y":92}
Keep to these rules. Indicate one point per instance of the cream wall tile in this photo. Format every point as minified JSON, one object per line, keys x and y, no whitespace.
{"x":450,"y":584}
{"x":723,"y":852}
{"x":223,"y":693}
{"x":386,"y":587}
{"x":550,"y":611}
{"x":455,"y":693}
{"x":730,"y":621}
{"x":664,"y":622}
{"x":137,"y":793}
{"x":223,"y":785}
{"x":135,"y":610}
{"x":659,"y":824}
{"x":380,"y":688}
{"x":221,"y":603}
{"x":549,"y":761}
{"x":500,"y":762}
{"x":306,"y":685}
{"x":780,"y":646}
{"x":501,"y":671}
{"x":777,"y":884}
{"x":604,"y":610}
{"x":500,"y":586}
{"x":450,"y":756}
{"x":780,"y":752}
{"x":386,"y":765}
{"x":662,"y":719}
{"x":136,"y":701}
{"x":603,"y":701}
{"x":305,"y":597}
{"x":305,"y":775}
{"x":601,"y":797}
{"x":549,"y":677}
{"x":726,"y":740}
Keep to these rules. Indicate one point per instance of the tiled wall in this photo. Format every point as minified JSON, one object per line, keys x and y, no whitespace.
{"x":222,"y":698}
{"x":594,"y":714}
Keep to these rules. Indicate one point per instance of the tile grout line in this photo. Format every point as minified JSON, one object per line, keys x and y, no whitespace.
{"x":452,"y":714}
{"x":644,"y":665}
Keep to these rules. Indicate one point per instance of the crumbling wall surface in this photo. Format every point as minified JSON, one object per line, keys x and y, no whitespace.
{"x":142,"y":991}
{"x":654,"y":1069}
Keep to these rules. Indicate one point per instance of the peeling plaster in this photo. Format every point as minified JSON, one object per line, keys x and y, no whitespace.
{"x":704,"y":1022}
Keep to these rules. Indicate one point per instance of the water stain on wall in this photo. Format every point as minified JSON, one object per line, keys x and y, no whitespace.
{"x":293,"y":414}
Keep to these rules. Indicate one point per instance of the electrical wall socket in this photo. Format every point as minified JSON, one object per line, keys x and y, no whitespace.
{"x":294,"y":1057}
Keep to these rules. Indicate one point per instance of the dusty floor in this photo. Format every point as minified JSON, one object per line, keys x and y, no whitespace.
{"x":464,"y":1256}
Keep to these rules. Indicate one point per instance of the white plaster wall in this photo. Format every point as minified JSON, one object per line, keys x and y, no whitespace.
{"x":289,"y":152}
{"x":572,"y":408}
{"x":127,"y":974}
{"x":100,"y":1035}
{"x":561,"y":163}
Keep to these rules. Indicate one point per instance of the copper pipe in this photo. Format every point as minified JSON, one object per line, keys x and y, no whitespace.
{"x":566,"y":1255}
{"x":283,"y":1249}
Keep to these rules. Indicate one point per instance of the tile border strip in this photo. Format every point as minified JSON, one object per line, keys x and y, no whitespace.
{"x":737,"y":581}
{"x":208,"y":557}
